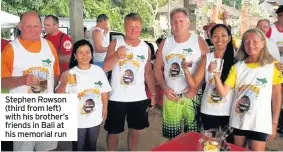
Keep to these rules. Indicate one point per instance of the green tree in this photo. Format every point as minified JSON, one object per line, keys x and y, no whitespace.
{"x":114,"y":9}
{"x":231,"y":2}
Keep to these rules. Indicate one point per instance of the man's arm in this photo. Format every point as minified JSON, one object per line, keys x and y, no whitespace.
{"x":203,"y":46}
{"x":97,"y":37}
{"x":158,"y":66}
{"x":7,"y":60}
{"x":13,"y":82}
{"x":111,"y":58}
{"x":149,"y":78}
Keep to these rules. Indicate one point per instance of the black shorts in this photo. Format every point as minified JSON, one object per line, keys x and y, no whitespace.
{"x":251,"y":135}
{"x":210,"y":121}
{"x":135,"y":113}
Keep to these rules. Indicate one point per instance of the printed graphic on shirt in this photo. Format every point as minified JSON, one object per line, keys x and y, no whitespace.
{"x":67,"y":45}
{"x":174,"y":60}
{"x":87,"y":99}
{"x":40,"y":79}
{"x":140,"y":58}
{"x":246,"y":94}
{"x":261,"y":82}
{"x":214,"y":97}
{"x":187,"y":51}
{"x":98,"y":84}
{"x":243,"y":105}
{"x":47,"y":62}
{"x":128,"y":71}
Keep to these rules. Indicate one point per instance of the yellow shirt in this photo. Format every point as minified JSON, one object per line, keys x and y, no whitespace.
{"x":231,"y":79}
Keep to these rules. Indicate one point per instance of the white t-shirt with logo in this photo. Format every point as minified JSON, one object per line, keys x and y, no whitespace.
{"x":128,"y":75}
{"x":173,"y":54}
{"x":211,"y":102}
{"x":251,"y":108}
{"x":91,"y":84}
{"x":38,"y":64}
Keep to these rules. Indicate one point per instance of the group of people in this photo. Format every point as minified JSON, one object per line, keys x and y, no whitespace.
{"x":244,"y":94}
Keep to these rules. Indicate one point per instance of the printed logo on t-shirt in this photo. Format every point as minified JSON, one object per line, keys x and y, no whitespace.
{"x":214,"y":97}
{"x":187,"y":51}
{"x":243,"y":104}
{"x":174,"y":60}
{"x":40,"y":79}
{"x":47,"y":62}
{"x":88,"y":99}
{"x":128,"y":71}
{"x":140,"y":58}
{"x":98,"y":84}
{"x":261,"y":82}
{"x":67,"y":45}
{"x":246,"y":94}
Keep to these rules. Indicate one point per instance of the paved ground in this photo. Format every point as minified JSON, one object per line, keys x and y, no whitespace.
{"x":151,"y":137}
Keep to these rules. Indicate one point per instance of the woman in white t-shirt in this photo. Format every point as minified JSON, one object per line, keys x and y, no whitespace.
{"x":257,"y":85}
{"x":92,"y":87}
{"x":215,"y":109}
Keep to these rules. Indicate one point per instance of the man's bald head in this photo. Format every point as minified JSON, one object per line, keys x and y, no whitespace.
{"x":29,"y":13}
{"x":30,"y":26}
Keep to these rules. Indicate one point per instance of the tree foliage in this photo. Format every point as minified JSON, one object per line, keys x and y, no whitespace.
{"x":230,"y":3}
{"x":114,"y":9}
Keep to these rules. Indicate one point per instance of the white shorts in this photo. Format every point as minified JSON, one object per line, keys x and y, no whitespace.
{"x":34,"y":145}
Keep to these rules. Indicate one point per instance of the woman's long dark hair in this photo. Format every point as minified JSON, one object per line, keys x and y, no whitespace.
{"x":229,"y":53}
{"x":73,"y":61}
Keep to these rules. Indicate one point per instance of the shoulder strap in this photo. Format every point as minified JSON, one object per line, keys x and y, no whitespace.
{"x":61,"y":37}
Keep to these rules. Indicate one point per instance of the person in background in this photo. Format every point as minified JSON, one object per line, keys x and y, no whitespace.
{"x":3,"y":44}
{"x":131,"y":68}
{"x":275,"y":31}
{"x":17,"y":74}
{"x":85,"y":33}
{"x":257,"y":85}
{"x":61,"y":41}
{"x":273,"y":49}
{"x":207,"y":29}
{"x":92,"y":89}
{"x":100,"y":39}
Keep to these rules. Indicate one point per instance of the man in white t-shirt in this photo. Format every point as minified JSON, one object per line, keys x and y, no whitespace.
{"x":129,"y":59}
{"x":273,"y":49}
{"x":99,"y":38}
{"x":24,"y":57}
{"x":178,"y":102}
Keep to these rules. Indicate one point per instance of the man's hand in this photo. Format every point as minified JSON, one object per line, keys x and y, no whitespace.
{"x":64,"y":77}
{"x":121,"y":52}
{"x":274,"y":132}
{"x":32,"y":80}
{"x":170,"y":94}
{"x":104,"y":113}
